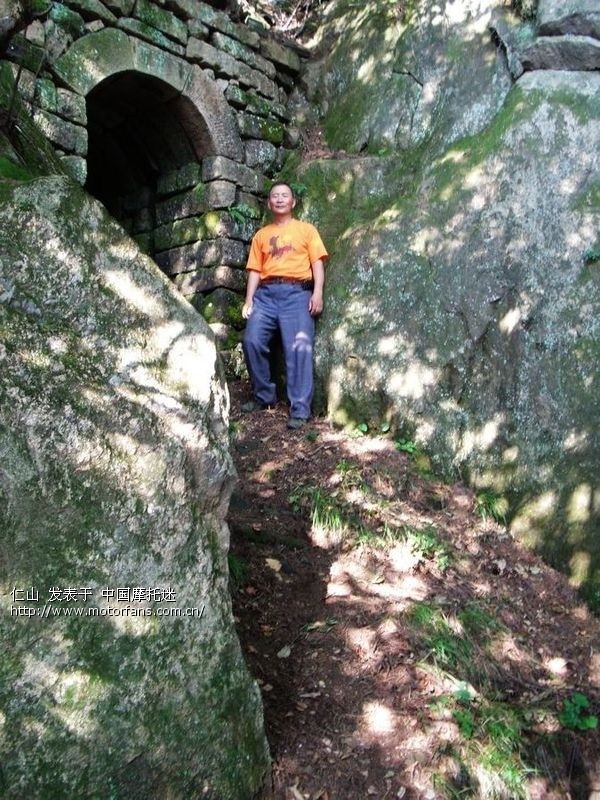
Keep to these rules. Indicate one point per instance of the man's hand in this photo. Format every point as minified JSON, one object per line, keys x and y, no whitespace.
{"x":315,"y":305}
{"x":246,"y":310}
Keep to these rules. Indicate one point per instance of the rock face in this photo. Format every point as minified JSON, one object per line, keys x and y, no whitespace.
{"x":559,"y":17}
{"x":121,"y":671}
{"x":462,"y":299}
{"x":390,"y":79}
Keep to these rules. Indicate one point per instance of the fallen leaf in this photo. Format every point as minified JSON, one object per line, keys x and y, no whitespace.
{"x":285,"y":652}
{"x":273,"y":564}
{"x":250,"y":590}
{"x":295,"y":793}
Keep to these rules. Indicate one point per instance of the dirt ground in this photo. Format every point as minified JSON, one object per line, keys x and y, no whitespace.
{"x":394,"y":631}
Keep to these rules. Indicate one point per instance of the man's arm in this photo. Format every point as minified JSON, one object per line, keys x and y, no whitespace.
{"x":316,"y":301}
{"x":251,"y":287}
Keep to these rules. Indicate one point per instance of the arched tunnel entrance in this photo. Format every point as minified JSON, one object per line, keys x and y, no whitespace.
{"x":166,"y":161}
{"x":145,"y":143}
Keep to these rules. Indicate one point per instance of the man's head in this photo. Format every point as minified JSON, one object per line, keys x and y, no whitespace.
{"x":282,"y":199}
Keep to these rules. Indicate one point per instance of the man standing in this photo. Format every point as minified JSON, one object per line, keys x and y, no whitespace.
{"x":285,"y":292}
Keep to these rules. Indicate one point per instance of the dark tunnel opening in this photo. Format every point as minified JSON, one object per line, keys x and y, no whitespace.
{"x":141,"y":132}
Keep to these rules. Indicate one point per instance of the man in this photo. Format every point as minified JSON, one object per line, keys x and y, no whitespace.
{"x":285,"y":292}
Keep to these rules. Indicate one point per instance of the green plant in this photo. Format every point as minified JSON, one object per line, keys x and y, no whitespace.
{"x":298,"y":188}
{"x":574,"y":714}
{"x":312,"y":436}
{"x":242,"y":213}
{"x":465,"y":720}
{"x":592,"y":254}
{"x":238,"y":570}
{"x":426,"y":543}
{"x":490,"y":505}
{"x":330,"y":519}
{"x":444,"y":647}
{"x":407,"y":446}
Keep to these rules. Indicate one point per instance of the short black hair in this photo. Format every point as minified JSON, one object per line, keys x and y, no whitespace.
{"x":283,"y":183}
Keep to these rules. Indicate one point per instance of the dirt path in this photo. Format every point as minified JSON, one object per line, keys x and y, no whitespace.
{"x":404,"y":645}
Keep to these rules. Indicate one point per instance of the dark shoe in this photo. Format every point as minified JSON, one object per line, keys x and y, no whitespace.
{"x":254,"y":405}
{"x":296,"y":422}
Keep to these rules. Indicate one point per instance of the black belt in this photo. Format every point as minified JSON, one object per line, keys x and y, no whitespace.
{"x":304,"y":284}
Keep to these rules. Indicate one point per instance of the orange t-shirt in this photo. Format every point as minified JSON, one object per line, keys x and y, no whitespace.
{"x":286,"y":251}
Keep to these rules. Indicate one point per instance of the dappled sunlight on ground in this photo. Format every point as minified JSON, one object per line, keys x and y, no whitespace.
{"x":383,"y":653}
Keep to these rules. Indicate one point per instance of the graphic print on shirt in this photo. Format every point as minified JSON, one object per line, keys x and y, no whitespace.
{"x":276,"y":250}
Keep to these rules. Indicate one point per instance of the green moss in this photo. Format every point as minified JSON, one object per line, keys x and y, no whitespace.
{"x":32,"y":150}
{"x":271,"y":131}
{"x":16,"y":172}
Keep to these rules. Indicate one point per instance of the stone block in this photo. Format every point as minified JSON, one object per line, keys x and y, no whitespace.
{"x":186,"y":204}
{"x":232,"y":224}
{"x":220,"y":194}
{"x":216,"y":252}
{"x":26,"y":83}
{"x":58,"y":40}
{"x":223,"y":306}
{"x":150,"y":34}
{"x":215,"y":167}
{"x":93,"y":9}
{"x":250,"y":200}
{"x":122,"y":8}
{"x":210,"y":278}
{"x":152,"y":60}
{"x":179,"y":179}
{"x":109,"y":50}
{"x":219,"y":21}
{"x":250,"y":101}
{"x":94,"y":26}
{"x":198,"y":29}
{"x":62,"y":102}
{"x":65,"y":135}
{"x":178,"y":233}
{"x":252,"y":127}
{"x":218,"y":133}
{"x":35,"y":33}
{"x":25,"y":53}
{"x":283,"y":56}
{"x":560,"y":17}
{"x":562,"y":53}
{"x":242,"y":53}
{"x":67,"y":19}
{"x":224,"y":64}
{"x":180,"y":259}
{"x":260,"y":154}
{"x":162,"y":20}
{"x":76,"y":167}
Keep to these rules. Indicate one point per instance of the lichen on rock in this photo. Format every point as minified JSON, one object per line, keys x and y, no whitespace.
{"x":462,"y":292}
{"x":115,"y":475}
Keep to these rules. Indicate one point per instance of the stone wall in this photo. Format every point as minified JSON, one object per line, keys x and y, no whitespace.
{"x":174,"y":116}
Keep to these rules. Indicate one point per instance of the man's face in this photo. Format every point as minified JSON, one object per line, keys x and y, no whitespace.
{"x":281,"y":200}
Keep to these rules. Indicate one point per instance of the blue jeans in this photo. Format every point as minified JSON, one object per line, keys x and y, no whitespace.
{"x":283,"y":306}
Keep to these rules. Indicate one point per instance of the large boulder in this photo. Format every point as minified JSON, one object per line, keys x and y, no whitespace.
{"x":393,"y":75}
{"x":463,"y":308}
{"x":121,"y":674}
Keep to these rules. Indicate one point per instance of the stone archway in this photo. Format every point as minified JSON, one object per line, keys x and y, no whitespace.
{"x":183,"y":104}
{"x":165,"y":157}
